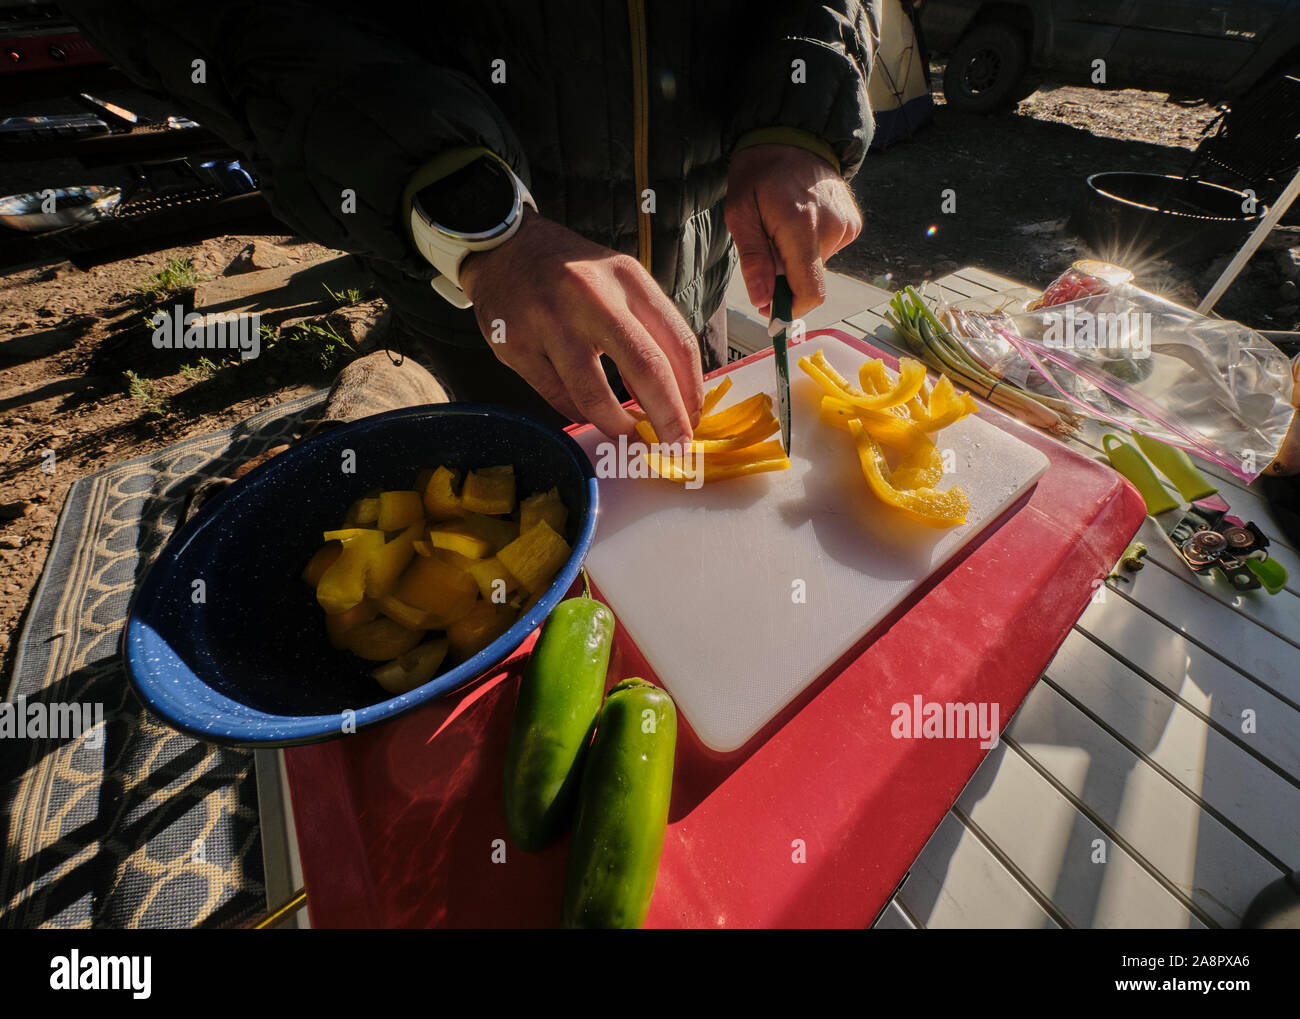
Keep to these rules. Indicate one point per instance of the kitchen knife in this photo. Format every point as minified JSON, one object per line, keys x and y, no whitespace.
{"x":782,"y":316}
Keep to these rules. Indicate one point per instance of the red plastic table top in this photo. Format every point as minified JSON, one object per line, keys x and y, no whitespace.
{"x":812,"y":824}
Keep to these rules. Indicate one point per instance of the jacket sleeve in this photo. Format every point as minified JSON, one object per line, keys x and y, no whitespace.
{"x":318,"y":101}
{"x":803,"y":79}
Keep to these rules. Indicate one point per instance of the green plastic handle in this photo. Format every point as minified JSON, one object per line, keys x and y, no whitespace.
{"x":1270,"y":572}
{"x":1177,"y":466}
{"x":1130,"y":463}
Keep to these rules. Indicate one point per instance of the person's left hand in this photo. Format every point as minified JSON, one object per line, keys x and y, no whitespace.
{"x":786,"y":201}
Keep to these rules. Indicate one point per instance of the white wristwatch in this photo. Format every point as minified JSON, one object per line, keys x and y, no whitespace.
{"x":476,"y":208}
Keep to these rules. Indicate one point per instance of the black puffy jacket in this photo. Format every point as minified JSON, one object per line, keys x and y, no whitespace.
{"x":334,"y":95}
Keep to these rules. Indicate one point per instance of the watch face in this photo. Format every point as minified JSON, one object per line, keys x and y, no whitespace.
{"x":477,"y":199}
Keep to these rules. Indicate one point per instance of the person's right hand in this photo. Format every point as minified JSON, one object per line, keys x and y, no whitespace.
{"x":563,"y":301}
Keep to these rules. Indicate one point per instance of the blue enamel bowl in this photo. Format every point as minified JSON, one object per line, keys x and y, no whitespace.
{"x":243,"y":658}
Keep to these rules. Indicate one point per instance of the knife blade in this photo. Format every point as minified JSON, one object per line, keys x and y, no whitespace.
{"x":782,"y":317}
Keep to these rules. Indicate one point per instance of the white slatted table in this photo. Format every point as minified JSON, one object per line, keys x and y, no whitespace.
{"x":1131,"y":744}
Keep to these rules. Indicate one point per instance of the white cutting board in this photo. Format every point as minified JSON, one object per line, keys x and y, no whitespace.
{"x":704,"y":580}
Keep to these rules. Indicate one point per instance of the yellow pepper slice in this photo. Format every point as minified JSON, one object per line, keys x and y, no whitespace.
{"x":398,"y":510}
{"x":938,"y":509}
{"x":766,"y":425}
{"x":441,"y":500}
{"x":490,"y":490}
{"x":715,"y":394}
{"x":911,"y":377}
{"x":478,"y":628}
{"x":343,"y":585}
{"x":945,"y":406}
{"x":339,"y":625}
{"x":535,"y":557}
{"x":389,"y":560}
{"x":321,"y":562}
{"x":476,"y":536}
{"x":890,"y":430}
{"x":546,"y":506}
{"x":727,"y":423}
{"x":415,"y":668}
{"x":435,"y":586}
{"x":756,"y":459}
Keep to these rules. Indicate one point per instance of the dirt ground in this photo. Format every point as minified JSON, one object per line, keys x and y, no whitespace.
{"x":68,"y":338}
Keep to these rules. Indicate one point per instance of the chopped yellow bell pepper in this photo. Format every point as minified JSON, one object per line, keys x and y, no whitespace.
{"x":343,"y":584}
{"x":365,"y":511}
{"x":408,"y":615}
{"x":546,"y":506}
{"x":399,"y":510}
{"x":434,"y":585}
{"x":441,"y":500}
{"x":415,"y":668}
{"x":382,"y":639}
{"x":938,"y":509}
{"x":478,"y":628}
{"x":321,"y":561}
{"x":475,"y":536}
{"x":339,"y":625}
{"x":535,"y":556}
{"x":490,"y":490}
{"x":389,"y":560}
{"x":493,"y":579}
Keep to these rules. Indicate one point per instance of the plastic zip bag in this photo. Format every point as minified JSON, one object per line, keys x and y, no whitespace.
{"x":1125,"y":356}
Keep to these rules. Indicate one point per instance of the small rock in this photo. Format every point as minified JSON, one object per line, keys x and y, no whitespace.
{"x":58,"y":433}
{"x":10,"y":541}
{"x":42,"y":495}
{"x":259,"y":255}
{"x":45,"y":312}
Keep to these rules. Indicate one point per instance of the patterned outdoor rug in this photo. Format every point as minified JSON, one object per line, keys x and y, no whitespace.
{"x":129,"y":824}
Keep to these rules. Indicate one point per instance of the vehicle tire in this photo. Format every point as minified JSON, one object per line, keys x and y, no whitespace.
{"x":985,"y":69}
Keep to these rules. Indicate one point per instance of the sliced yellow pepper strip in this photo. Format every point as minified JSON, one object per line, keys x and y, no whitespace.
{"x":708,"y":466}
{"x":938,"y":509}
{"x":761,"y":429}
{"x":715,"y":394}
{"x":889,"y":429}
{"x":727,"y":423}
{"x":945,"y":406}
{"x":911,"y":377}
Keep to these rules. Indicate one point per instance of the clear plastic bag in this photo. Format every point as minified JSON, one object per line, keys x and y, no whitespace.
{"x":1212,"y":387}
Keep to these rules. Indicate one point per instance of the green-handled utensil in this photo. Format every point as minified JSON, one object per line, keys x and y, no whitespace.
{"x":782,"y":316}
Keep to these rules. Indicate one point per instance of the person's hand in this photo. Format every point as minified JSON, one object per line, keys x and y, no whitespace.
{"x":563,"y":301}
{"x":788,"y":202}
